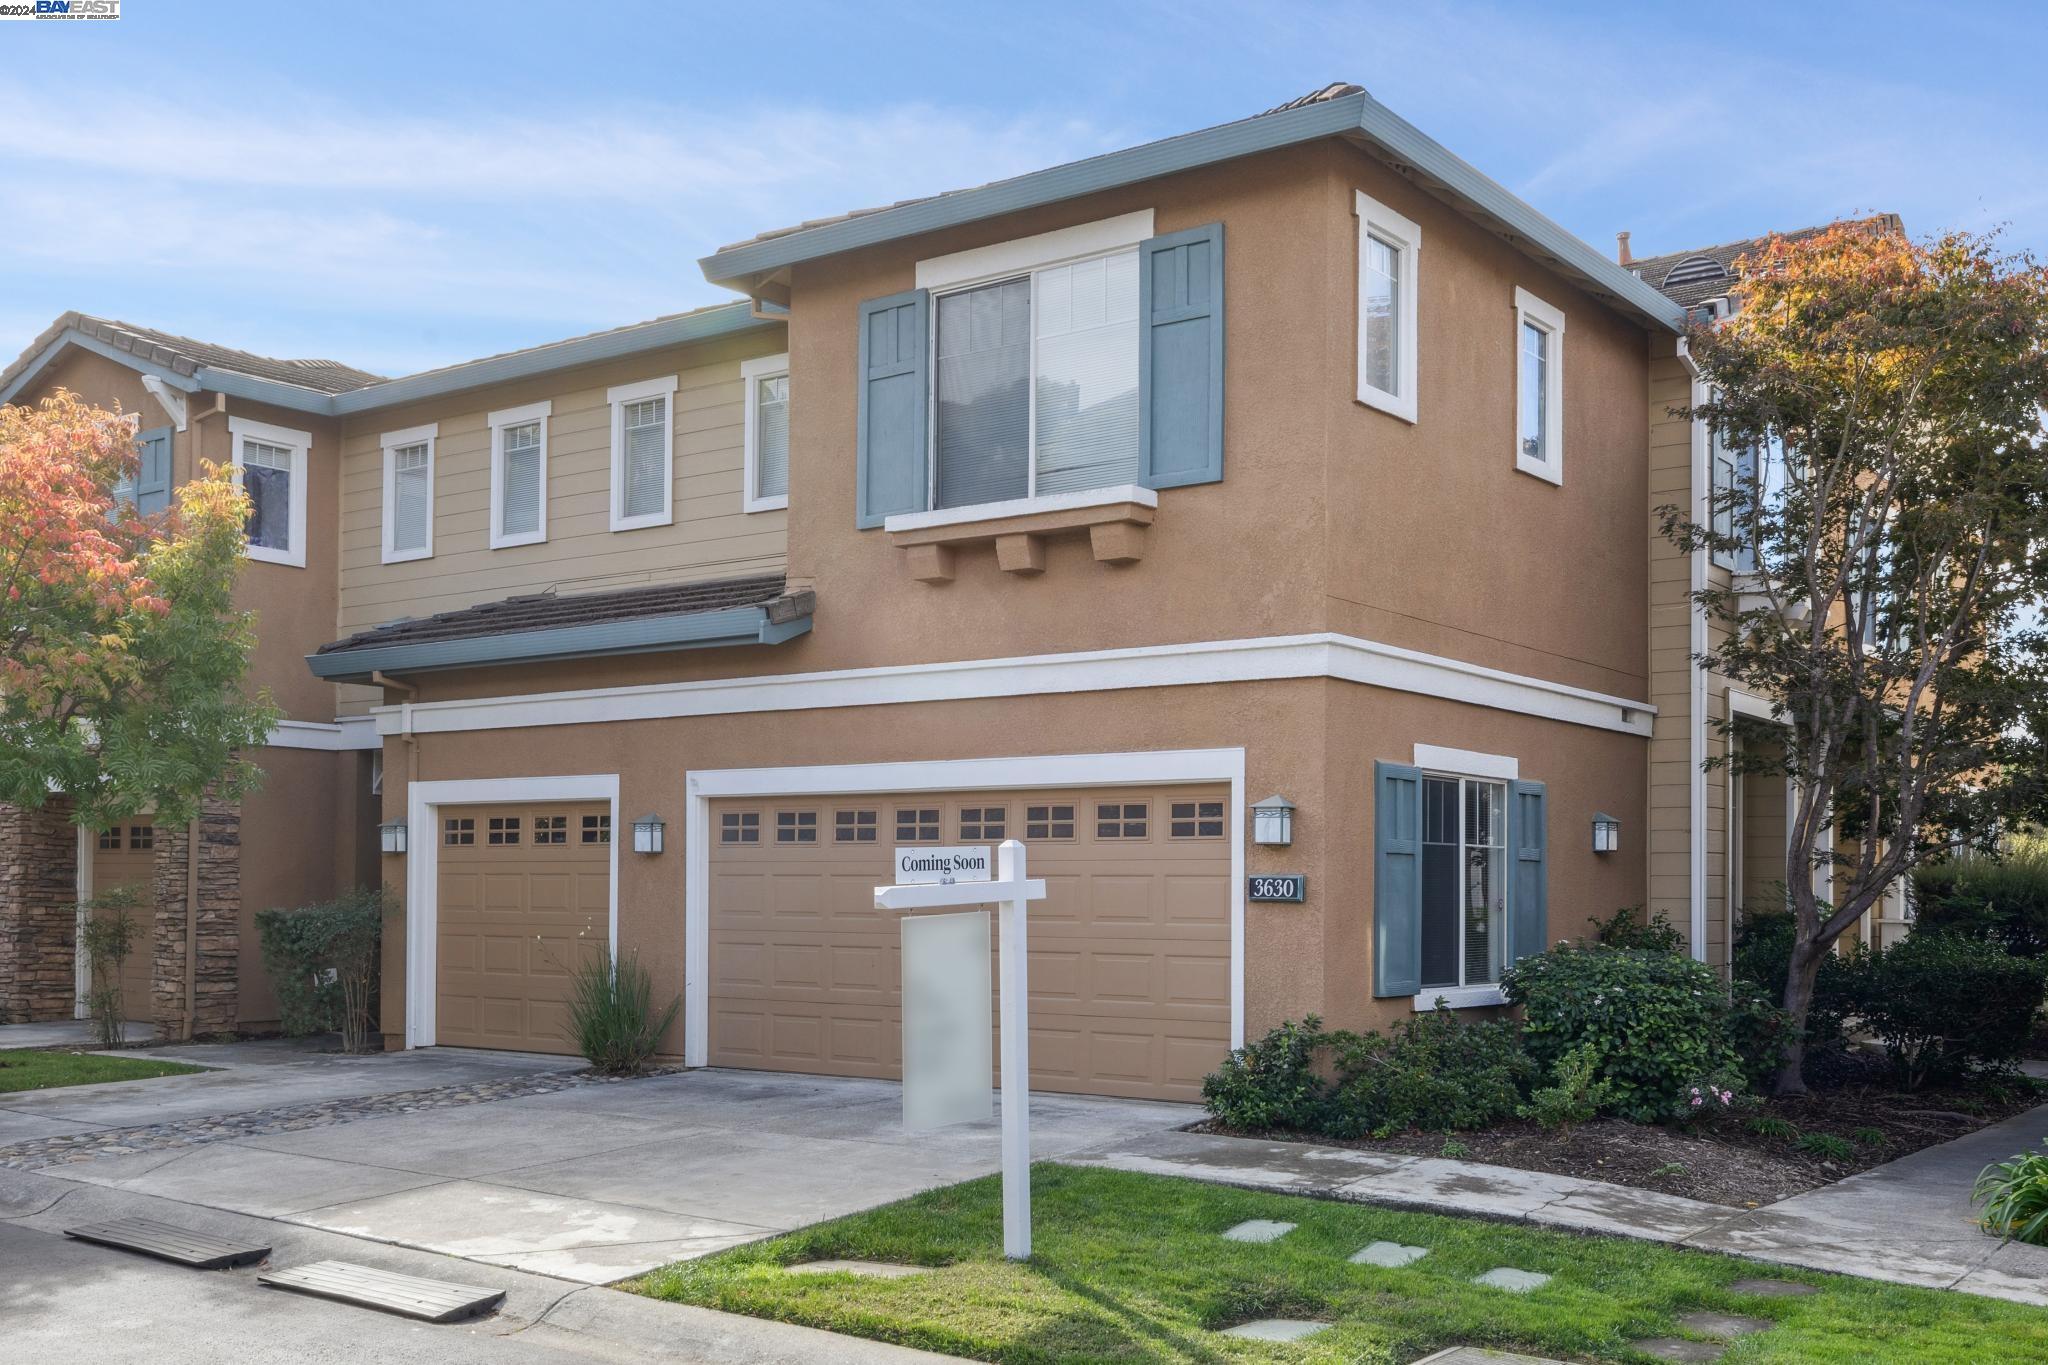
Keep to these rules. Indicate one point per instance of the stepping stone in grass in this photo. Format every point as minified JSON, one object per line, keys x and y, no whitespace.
{"x":1772,"y":1289}
{"x":1389,"y":1255}
{"x":1677,"y":1348}
{"x":1513,"y":1280}
{"x":1276,"y":1329}
{"x":1258,"y":1230}
{"x":1725,"y":1324}
{"x":877,"y":1270}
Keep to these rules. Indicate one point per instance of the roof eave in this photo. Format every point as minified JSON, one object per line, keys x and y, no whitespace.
{"x":752,"y":625}
{"x":1358,"y":114}
{"x":72,"y":336}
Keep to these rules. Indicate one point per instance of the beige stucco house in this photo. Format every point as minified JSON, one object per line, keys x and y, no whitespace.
{"x":1291,"y":457}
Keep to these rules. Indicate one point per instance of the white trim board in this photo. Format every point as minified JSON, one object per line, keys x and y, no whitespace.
{"x":336,"y":736}
{"x":1161,"y":768}
{"x":1036,"y":252}
{"x":1467,"y":762}
{"x":423,"y":801}
{"x":1023,"y":507}
{"x":1217,"y":661}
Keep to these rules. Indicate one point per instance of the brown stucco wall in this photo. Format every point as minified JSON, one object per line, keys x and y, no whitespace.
{"x":303,"y":841}
{"x":1311,"y":740}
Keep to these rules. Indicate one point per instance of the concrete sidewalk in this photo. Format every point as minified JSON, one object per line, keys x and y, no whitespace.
{"x":1909,"y":1222}
{"x":66,"y":1033}
{"x":68,"y":1301}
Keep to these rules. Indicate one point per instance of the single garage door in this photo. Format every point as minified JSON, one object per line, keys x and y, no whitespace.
{"x":125,"y":856}
{"x":523,"y":892}
{"x":1130,"y":950}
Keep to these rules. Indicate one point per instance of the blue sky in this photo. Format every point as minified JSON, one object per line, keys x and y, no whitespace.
{"x":402,"y":186}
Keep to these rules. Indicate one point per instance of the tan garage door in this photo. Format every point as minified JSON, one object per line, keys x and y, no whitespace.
{"x":125,"y":855}
{"x":1130,"y":951}
{"x":524,"y":892}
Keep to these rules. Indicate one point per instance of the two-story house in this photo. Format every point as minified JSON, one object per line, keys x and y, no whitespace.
{"x":1291,"y":457}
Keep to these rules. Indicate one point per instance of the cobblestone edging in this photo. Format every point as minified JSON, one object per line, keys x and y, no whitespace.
{"x":70,"y":1148}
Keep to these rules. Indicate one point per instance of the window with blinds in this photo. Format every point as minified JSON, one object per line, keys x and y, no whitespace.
{"x":412,"y":495}
{"x":1036,"y":381}
{"x":267,"y":480}
{"x":519,"y":502}
{"x":646,"y":464}
{"x":772,"y":473}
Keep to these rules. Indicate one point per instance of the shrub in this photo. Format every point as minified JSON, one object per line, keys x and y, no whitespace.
{"x":2015,"y":1198}
{"x":1759,"y":1031}
{"x":107,"y":938}
{"x":2003,"y":899}
{"x":1574,"y":1096}
{"x":1656,"y":1020}
{"x":1629,"y":927}
{"x":1944,"y":1004}
{"x":1272,"y":1083}
{"x":1435,"y":1071}
{"x":323,"y":962}
{"x":612,"y":1019}
{"x":1763,"y":955}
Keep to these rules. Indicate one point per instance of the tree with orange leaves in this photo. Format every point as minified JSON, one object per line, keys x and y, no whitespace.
{"x":122,"y":656}
{"x":1891,"y":548}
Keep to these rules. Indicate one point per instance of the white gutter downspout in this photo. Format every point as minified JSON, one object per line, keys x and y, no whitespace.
{"x":1696,"y":679}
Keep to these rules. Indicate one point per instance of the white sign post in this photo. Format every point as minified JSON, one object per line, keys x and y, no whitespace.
{"x":1010,"y":890}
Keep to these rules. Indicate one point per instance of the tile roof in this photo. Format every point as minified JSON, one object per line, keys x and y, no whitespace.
{"x":547,"y":611}
{"x":1321,"y":95}
{"x":1692,"y":277}
{"x":186,"y":356}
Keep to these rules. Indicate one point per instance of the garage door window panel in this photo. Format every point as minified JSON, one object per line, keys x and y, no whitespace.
{"x":1122,"y":820}
{"x":917,"y":825}
{"x":503,"y":830}
{"x":458,"y":832}
{"x":854,"y":827}
{"x":796,"y":827}
{"x":1197,"y":820}
{"x":597,"y":829}
{"x":740,"y":827}
{"x":1053,"y":823}
{"x":550,"y":829}
{"x":979,"y":823}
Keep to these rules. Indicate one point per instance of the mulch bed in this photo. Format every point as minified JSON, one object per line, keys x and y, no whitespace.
{"x":1728,"y":1162}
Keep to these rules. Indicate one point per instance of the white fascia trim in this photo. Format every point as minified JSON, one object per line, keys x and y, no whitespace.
{"x":1015,"y":257}
{"x":1023,"y":507}
{"x":618,"y":396}
{"x":422,"y":871}
{"x":1032,"y":771}
{"x":1467,"y":762}
{"x":1748,"y":704}
{"x":1529,"y":308}
{"x":1377,"y":220}
{"x":1696,"y":694}
{"x":751,"y":373}
{"x":1458,"y":998}
{"x":514,"y":417}
{"x":1221,"y":661}
{"x":300,"y":443}
{"x":336,"y":736}
{"x":392,"y":442}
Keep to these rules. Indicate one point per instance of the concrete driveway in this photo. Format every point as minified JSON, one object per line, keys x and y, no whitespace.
{"x":593,"y":1183}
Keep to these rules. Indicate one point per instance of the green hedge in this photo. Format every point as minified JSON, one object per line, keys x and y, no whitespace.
{"x":1763,"y":955}
{"x":1944,"y":1004}
{"x":2004,"y":900}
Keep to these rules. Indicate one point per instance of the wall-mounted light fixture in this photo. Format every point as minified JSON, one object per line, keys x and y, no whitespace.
{"x":647,"y":831}
{"x":1606,"y":834}
{"x":391,"y":836}
{"x":1273,"y":822}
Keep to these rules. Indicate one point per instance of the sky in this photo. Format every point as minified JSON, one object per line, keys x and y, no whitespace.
{"x":405,"y":186}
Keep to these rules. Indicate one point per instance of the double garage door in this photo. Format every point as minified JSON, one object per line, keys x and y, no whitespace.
{"x":1130,"y":950}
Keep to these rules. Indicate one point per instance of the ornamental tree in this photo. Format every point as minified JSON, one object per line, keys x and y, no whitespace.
{"x":1891,"y":552}
{"x":122,"y":656}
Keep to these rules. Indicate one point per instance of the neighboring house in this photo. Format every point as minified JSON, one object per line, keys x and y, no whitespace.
{"x":1718,"y":837}
{"x":1288,"y":457}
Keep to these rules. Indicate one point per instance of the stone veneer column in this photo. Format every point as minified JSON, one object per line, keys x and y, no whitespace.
{"x":217,"y":922}
{"x":38,"y":912}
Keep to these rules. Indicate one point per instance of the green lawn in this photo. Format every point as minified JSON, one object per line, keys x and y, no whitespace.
{"x":30,"y":1069}
{"x":1130,"y":1267}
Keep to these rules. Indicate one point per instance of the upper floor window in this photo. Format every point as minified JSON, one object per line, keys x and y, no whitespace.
{"x":409,"y":493}
{"x":1746,"y":482}
{"x":270,"y":468}
{"x":643,"y":454}
{"x":767,"y":440}
{"x":519,"y":475}
{"x":1388,"y":245}
{"x":1539,"y":388}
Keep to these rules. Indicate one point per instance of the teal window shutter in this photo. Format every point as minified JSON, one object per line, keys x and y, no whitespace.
{"x":1180,"y":358}
{"x":893,"y":444}
{"x":153,"y":472}
{"x":1529,"y":884}
{"x":1397,"y":880}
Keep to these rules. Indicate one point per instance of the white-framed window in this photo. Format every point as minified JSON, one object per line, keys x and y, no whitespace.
{"x":1539,"y":387}
{"x":643,"y":453}
{"x":767,"y":441}
{"x":409,"y":493}
{"x":519,"y":474}
{"x":270,"y":467}
{"x":1464,"y":883}
{"x":1035,"y":365}
{"x":1389,"y":247}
